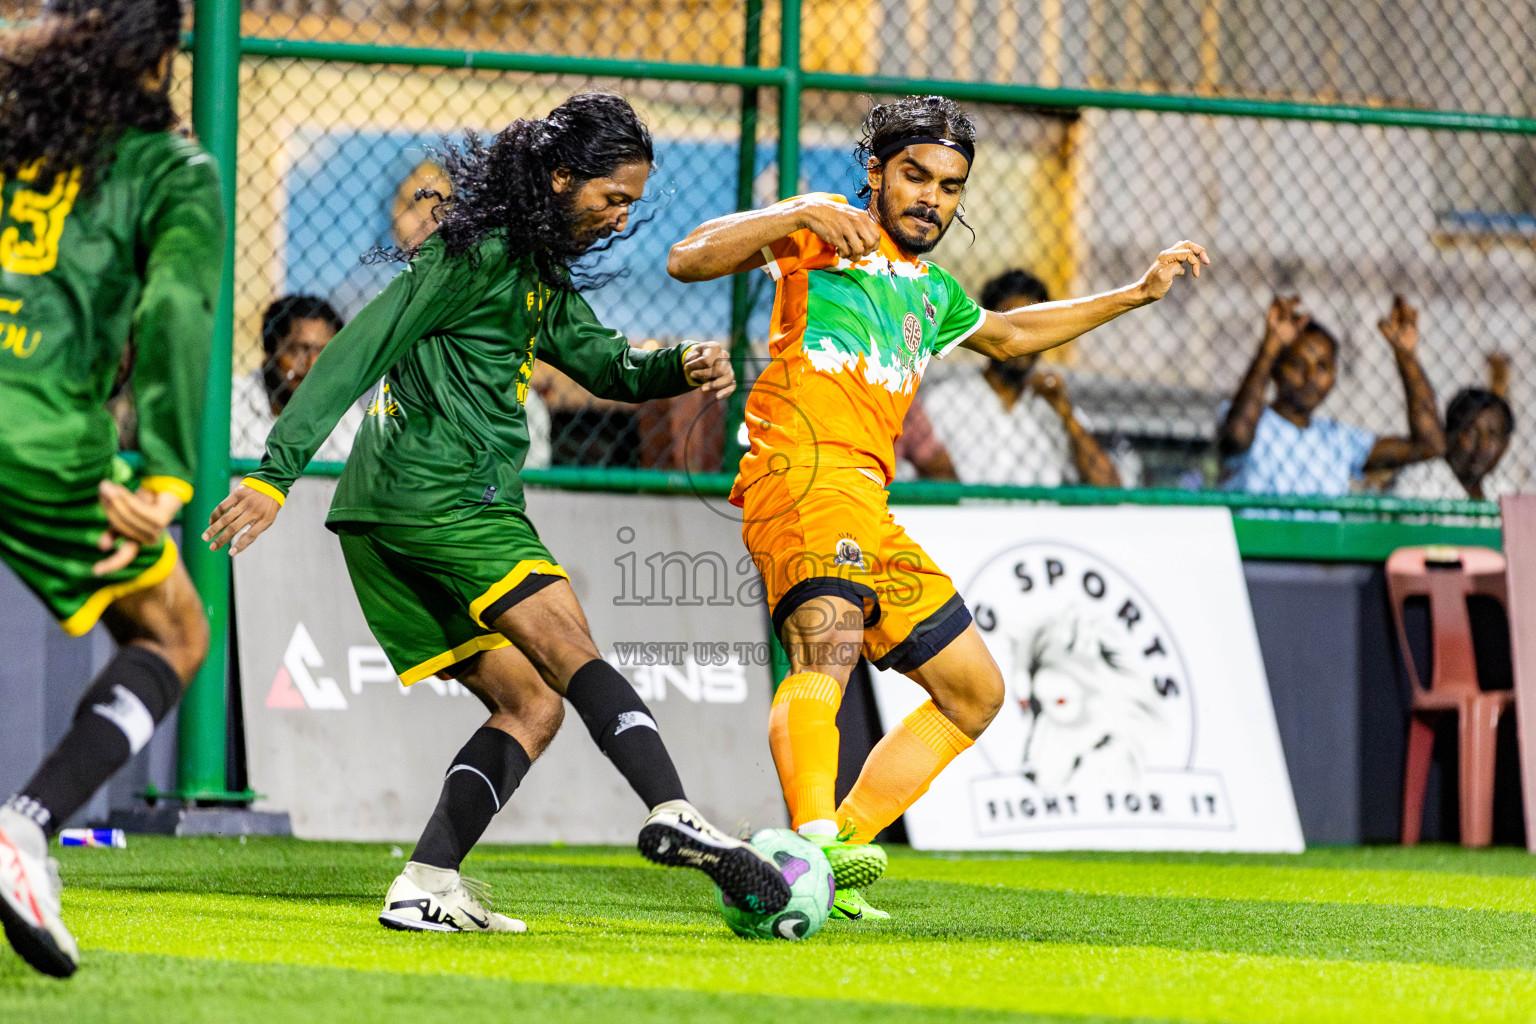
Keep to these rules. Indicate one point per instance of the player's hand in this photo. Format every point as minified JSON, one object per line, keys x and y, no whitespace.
{"x":239,"y":519}
{"x":1401,"y":327}
{"x":1284,"y":322}
{"x":708,"y":368}
{"x":1049,"y":386}
{"x":133,"y":520}
{"x":851,"y":231}
{"x":1170,"y":263}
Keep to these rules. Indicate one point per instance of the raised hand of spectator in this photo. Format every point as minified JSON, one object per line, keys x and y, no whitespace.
{"x":1498,"y":373}
{"x":1094,"y":466}
{"x":1426,"y":435}
{"x":1284,"y":322}
{"x":1401,"y":326}
{"x":1049,"y":385}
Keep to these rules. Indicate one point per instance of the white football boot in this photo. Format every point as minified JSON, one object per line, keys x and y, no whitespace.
{"x":29,"y":898}
{"x":428,"y":899}
{"x":677,"y":835}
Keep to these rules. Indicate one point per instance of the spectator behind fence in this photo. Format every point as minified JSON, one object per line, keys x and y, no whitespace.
{"x":919,"y":452}
{"x":1478,"y":426}
{"x":1010,"y":425}
{"x":1285,"y":447}
{"x":410,"y":222}
{"x":294,"y":331}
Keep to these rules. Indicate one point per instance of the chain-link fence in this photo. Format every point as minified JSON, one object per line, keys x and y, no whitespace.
{"x":1278,"y":134}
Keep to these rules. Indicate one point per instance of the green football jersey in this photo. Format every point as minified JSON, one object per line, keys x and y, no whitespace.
{"x":448,"y":348}
{"x":139,"y":256}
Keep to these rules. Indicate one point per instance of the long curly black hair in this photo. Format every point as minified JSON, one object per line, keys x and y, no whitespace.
{"x":505,"y":187}
{"x":72,"y":81}
{"x":936,"y":117}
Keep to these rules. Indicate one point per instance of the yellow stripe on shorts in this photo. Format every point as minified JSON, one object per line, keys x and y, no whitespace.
{"x":89,"y":613}
{"x":432,"y":666}
{"x":521,"y":571}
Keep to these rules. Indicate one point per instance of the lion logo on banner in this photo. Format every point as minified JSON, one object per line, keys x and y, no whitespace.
{"x":1087,"y":714}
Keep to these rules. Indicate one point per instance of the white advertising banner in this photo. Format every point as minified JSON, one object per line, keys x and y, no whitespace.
{"x":334,"y":739}
{"x":1137,"y":714}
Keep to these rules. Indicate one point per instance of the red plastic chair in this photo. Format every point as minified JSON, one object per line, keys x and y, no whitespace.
{"x":1447,"y":577}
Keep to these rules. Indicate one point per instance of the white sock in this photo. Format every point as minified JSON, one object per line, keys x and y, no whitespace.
{"x":819,"y":827}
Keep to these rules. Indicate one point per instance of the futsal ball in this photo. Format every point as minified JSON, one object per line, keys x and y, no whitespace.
{"x":811,"y":889}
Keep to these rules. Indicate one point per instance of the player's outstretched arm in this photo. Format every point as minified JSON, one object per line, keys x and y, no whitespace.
{"x":240,"y":518}
{"x":1048,"y":324}
{"x":734,"y":243}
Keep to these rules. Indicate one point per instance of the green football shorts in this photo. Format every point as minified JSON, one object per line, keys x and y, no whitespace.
{"x":429,"y":592}
{"x":52,"y":545}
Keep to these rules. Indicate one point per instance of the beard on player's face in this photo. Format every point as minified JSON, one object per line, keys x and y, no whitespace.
{"x":891,"y":219}
{"x":584,"y":225}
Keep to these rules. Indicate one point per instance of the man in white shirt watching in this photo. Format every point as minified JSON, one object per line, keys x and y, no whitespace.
{"x":1009,"y":424}
{"x":294,"y":331}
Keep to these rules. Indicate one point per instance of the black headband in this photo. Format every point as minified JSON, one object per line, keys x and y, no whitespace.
{"x":889,"y":150}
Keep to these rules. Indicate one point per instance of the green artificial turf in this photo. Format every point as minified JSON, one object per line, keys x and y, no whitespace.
{"x":271,"y":931}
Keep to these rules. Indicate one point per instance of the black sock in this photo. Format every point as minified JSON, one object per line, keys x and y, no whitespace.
{"x":623,"y":728}
{"x":113,"y":721}
{"x":483,"y":777}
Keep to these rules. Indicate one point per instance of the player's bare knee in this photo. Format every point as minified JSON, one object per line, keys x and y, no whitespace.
{"x":192,"y":646}
{"x":990,"y":697}
{"x":558,"y":657}
{"x":982,"y":703}
{"x":182,"y":639}
{"x":839,"y":669}
{"x":549,"y":715}
{"x":177,"y":631}
{"x":556,"y":644}
{"x":973,"y":707}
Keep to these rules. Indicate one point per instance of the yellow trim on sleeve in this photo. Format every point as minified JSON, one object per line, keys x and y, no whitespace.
{"x":432,"y":666}
{"x":89,"y":613}
{"x":262,"y":487}
{"x":688,"y":377}
{"x":168,"y":485}
{"x":521,"y":571}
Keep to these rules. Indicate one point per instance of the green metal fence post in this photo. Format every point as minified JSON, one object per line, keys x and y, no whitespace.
{"x":741,"y":297}
{"x":215,"y":98}
{"x":789,"y":100}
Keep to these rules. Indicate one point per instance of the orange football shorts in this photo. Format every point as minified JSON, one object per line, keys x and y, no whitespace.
{"x":814,"y":532}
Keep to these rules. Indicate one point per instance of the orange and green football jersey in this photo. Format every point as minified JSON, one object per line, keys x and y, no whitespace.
{"x":850,"y":340}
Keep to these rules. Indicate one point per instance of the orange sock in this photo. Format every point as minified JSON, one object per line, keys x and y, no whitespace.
{"x":802,"y":732}
{"x":899,"y":770}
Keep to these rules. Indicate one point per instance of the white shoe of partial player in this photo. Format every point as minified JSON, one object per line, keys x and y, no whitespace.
{"x":428,"y":899}
{"x":29,"y":898}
